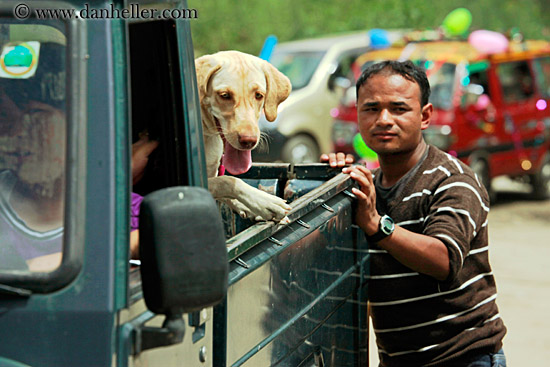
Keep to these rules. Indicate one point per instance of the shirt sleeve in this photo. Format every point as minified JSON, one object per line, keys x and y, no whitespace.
{"x":457,"y":213}
{"x":134,"y":211}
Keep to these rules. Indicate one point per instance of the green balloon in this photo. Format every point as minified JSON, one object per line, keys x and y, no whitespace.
{"x":362,"y":149}
{"x":458,"y":21}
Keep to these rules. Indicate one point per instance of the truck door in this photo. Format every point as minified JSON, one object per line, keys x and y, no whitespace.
{"x":164,"y":105}
{"x":518,"y":112}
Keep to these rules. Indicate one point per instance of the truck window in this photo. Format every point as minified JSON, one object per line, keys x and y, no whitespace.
{"x":33,"y":126}
{"x":542,"y":73}
{"x":156,"y":103}
{"x":516,"y":81}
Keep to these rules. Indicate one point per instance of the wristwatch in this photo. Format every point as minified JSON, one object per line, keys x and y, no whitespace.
{"x":386,"y":226}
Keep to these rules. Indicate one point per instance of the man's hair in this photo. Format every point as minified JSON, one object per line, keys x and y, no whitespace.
{"x":406,"y":69}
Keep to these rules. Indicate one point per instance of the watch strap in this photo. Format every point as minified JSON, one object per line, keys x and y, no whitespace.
{"x":380,"y":234}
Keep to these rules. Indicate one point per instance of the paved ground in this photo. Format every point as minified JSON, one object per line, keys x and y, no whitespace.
{"x":520,"y":257}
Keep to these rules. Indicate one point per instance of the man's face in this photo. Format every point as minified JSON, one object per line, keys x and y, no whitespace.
{"x":390,"y":117}
{"x":32,"y":142}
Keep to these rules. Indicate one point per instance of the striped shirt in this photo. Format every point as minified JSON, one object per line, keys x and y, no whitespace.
{"x":418,"y":320}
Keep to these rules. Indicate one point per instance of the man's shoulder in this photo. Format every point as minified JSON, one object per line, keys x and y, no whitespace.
{"x":438,"y":158}
{"x":443,"y":169}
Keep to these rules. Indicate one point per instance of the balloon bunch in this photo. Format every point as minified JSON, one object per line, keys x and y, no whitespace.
{"x":457,"y":23}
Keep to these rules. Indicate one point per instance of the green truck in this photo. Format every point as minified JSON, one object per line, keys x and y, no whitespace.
{"x":210,"y":289}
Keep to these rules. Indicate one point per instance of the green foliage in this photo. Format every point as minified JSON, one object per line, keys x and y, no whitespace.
{"x":243,"y":25}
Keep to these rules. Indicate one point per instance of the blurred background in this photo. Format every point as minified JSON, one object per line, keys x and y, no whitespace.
{"x":481,"y":102}
{"x":247,"y":23}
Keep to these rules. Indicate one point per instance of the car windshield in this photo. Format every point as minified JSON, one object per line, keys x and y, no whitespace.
{"x":32,"y":146}
{"x":298,"y":66}
{"x":441,"y":76}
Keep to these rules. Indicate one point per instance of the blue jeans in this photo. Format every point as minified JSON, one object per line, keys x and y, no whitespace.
{"x":488,"y":360}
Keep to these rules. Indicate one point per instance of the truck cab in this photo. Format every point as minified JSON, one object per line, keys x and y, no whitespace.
{"x":490,"y":110}
{"x":208,"y":289}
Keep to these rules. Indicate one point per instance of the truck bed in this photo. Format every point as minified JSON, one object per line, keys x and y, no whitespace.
{"x":297,"y":292}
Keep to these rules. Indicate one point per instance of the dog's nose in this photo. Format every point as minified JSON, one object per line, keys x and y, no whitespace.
{"x":247,"y":141}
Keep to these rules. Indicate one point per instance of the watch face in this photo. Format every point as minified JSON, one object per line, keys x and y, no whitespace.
{"x":387,"y":225}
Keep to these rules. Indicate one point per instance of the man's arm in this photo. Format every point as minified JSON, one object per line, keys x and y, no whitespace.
{"x":421,"y":253}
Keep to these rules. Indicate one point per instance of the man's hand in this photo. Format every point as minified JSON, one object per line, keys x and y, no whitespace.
{"x":367,"y":216}
{"x":141,"y":150}
{"x":337,"y":159}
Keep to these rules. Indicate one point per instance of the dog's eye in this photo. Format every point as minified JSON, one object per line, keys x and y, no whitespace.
{"x":259,"y":96}
{"x":225,"y":95}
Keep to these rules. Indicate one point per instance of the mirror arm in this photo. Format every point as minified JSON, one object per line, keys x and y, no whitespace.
{"x":171,"y":332}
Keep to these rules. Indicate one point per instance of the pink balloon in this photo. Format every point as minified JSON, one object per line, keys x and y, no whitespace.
{"x":488,"y":42}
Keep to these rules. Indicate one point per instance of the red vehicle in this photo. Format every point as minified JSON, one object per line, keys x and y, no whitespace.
{"x":491,"y":111}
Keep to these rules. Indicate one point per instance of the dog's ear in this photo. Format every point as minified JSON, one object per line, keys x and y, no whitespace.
{"x":205,"y":66}
{"x":278,"y":89}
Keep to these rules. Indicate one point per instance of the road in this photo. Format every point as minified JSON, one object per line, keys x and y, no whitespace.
{"x":519,"y":234}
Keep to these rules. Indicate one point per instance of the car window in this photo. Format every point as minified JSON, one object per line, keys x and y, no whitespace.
{"x":442,"y":79}
{"x":476,"y":84}
{"x":299,"y":67}
{"x":516,"y":81}
{"x":32,"y":146}
{"x":441,"y":76}
{"x":542,"y":72}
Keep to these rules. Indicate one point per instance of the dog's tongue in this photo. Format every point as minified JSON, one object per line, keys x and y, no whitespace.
{"x":236,"y":161}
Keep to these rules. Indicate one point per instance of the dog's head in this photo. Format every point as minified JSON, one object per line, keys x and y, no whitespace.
{"x":234,"y":87}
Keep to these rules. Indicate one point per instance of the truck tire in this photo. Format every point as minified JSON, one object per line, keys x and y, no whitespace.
{"x":540,"y":181}
{"x":300,"y":149}
{"x":481,"y":169}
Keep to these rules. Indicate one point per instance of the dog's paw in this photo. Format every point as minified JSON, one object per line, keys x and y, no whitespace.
{"x":267,"y":207}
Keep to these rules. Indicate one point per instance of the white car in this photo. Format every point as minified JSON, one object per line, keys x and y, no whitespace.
{"x":320,"y":71}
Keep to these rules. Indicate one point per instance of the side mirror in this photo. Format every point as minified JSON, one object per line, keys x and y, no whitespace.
{"x":183,"y":254}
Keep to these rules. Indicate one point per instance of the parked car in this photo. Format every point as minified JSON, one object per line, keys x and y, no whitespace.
{"x":491,"y":111}
{"x":319,"y":71}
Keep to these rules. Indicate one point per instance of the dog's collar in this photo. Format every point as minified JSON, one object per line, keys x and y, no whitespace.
{"x":221,"y":170}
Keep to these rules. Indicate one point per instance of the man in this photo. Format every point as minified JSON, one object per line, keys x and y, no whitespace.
{"x":32,"y":177}
{"x":431,"y":290}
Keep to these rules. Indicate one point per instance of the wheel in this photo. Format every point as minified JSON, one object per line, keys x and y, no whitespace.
{"x":300,"y":149}
{"x":481,"y":169}
{"x":540,"y":181}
